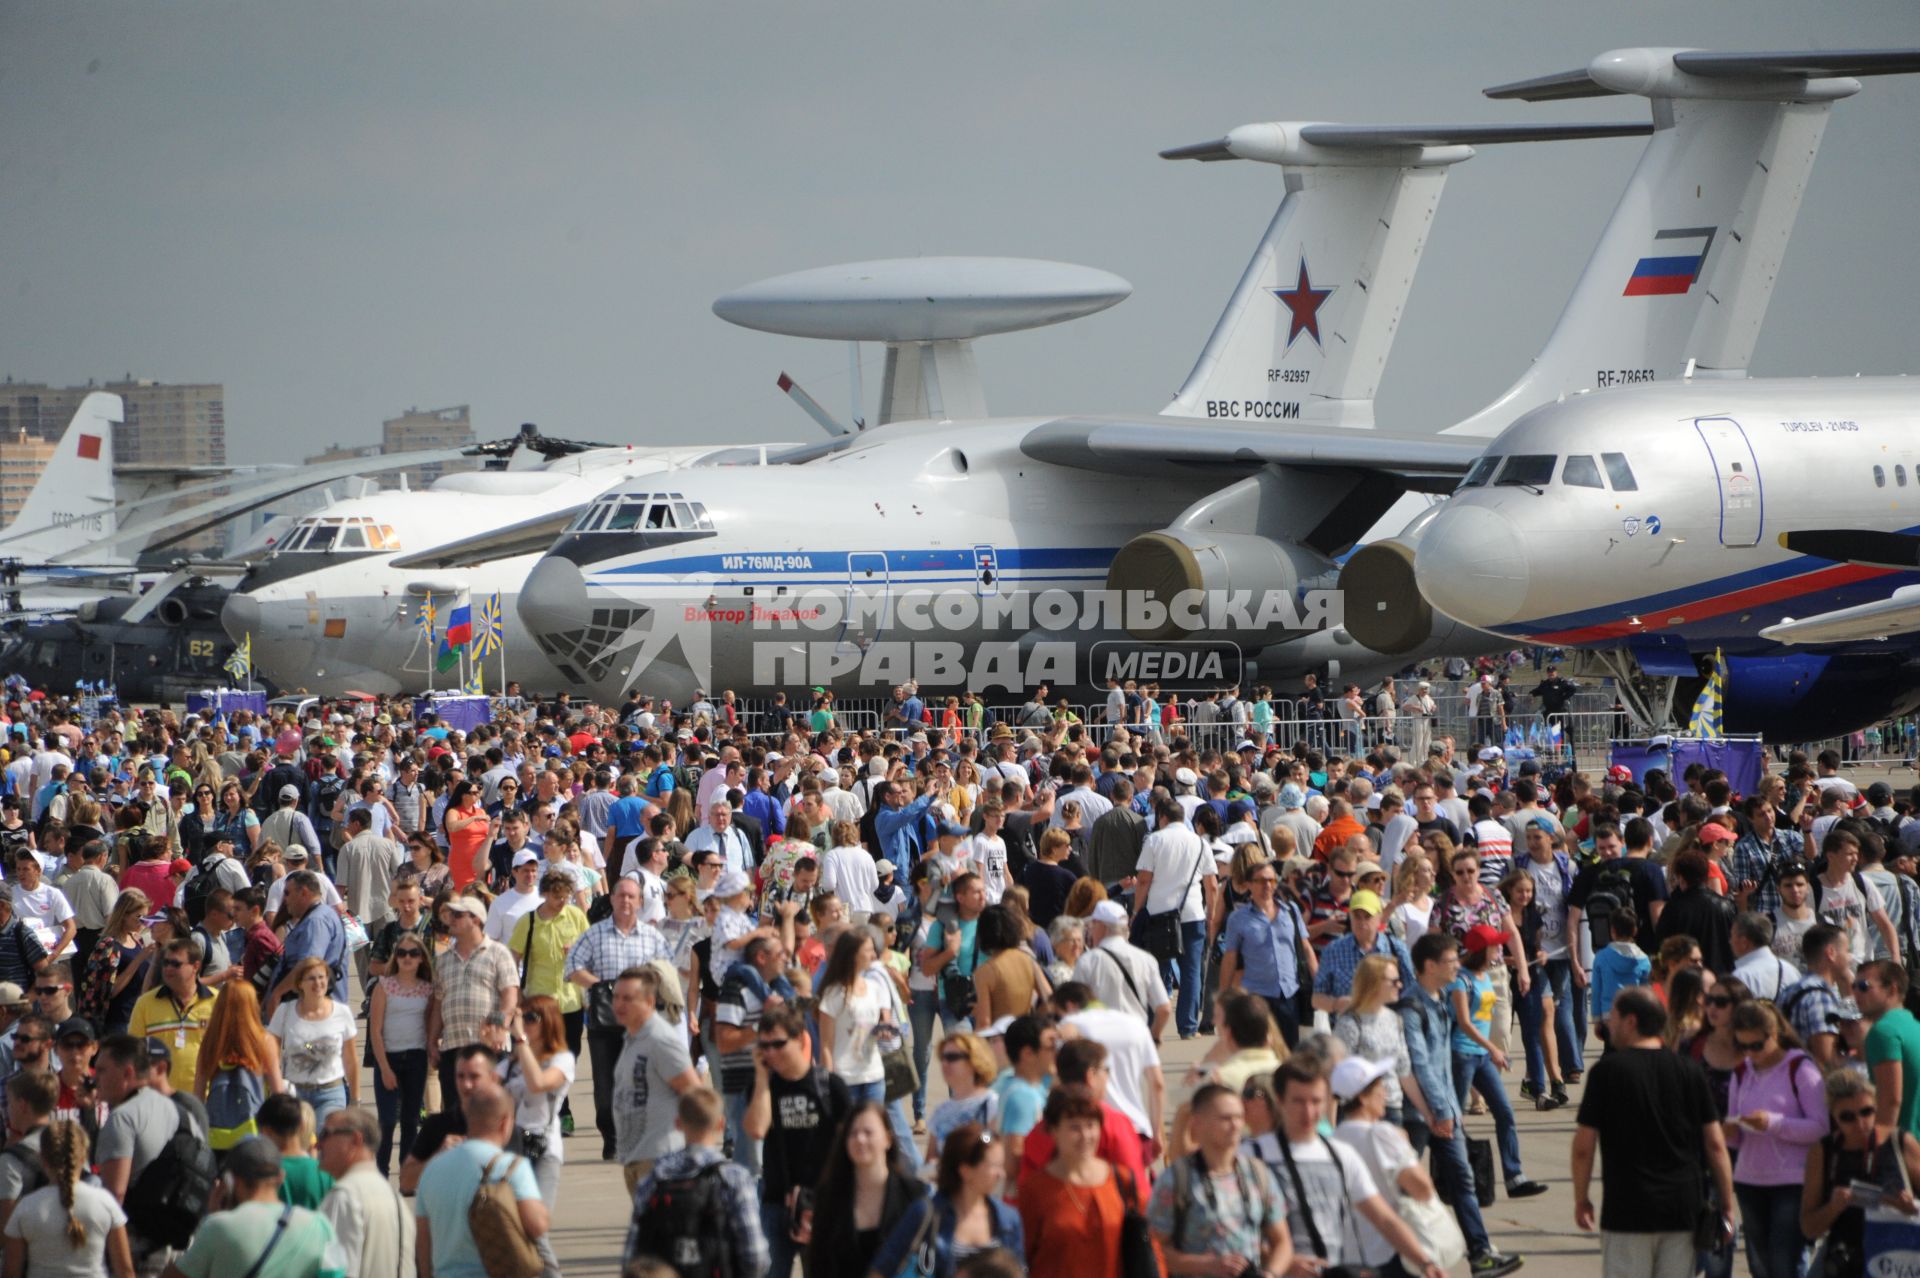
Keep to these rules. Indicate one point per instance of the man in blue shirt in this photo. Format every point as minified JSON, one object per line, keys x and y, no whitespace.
{"x":318,"y":933}
{"x":453,"y":1177}
{"x":1433,"y":1116}
{"x":1333,"y":987}
{"x":1262,"y":950}
{"x":898,"y":823}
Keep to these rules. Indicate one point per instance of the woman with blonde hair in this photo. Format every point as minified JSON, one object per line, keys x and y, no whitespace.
{"x":316,"y":1035}
{"x":67,"y":1226}
{"x":1371,"y":1028}
{"x":968,"y":1067}
{"x":239,"y":1066}
{"x":110,"y":985}
{"x":1411,"y":909}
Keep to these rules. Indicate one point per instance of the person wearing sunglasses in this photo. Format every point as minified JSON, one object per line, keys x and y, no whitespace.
{"x":1864,"y":1145}
{"x":1776,"y":1114}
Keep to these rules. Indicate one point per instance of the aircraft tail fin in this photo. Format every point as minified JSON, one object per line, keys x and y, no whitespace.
{"x":72,"y":504}
{"x":1310,"y":324}
{"x":1686,"y":265}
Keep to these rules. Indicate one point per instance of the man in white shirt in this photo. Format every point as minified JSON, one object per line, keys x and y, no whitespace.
{"x":1093,"y":804}
{"x":647,"y":866}
{"x":728,"y":774}
{"x":43,"y":907}
{"x":850,"y":874}
{"x":1121,"y":974}
{"x":1755,"y":964}
{"x":522,"y":896}
{"x":1177,"y":874}
{"x":296,"y":858}
{"x":1135,"y":1084}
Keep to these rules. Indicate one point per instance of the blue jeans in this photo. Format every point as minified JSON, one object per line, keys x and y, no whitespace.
{"x":903,"y":1131}
{"x":923,"y":1012}
{"x":324,"y":1099}
{"x":875,"y":1091}
{"x":746,"y":1151}
{"x":401,"y":1104}
{"x":1572,"y":1033}
{"x":1771,"y":1214}
{"x":1476,"y":1073}
{"x":1452,"y":1178}
{"x":781,"y":1250}
{"x":1185,"y":972}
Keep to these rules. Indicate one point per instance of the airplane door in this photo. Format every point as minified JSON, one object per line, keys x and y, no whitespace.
{"x":1742,"y":502}
{"x":986,"y":567}
{"x":867,"y":599}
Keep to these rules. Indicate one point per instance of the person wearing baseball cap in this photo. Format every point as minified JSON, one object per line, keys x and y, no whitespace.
{"x":1477,"y":1063}
{"x":1333,"y":987}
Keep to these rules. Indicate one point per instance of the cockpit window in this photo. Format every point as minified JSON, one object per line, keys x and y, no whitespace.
{"x":322,"y":537}
{"x":352,"y":539}
{"x":1580,"y":472}
{"x":1619,"y":474}
{"x":1480,"y":472}
{"x":627,"y":516}
{"x":1527,"y":470}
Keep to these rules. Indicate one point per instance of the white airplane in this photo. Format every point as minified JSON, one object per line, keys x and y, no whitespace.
{"x":973,"y":552}
{"x":70,"y":510}
{"x":335,"y":605}
{"x":1773,"y":520}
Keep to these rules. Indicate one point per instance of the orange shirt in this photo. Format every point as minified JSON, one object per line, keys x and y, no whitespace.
{"x":1072,"y":1231}
{"x":464,"y":845}
{"x":1335,"y":836}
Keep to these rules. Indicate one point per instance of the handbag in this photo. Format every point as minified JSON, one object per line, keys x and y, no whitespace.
{"x":922,"y":1257}
{"x":1433,"y":1223}
{"x":600,"y":1007}
{"x":1159,"y":934}
{"x":1138,"y":1258}
{"x":493,"y":1218}
{"x":1480,"y":1159}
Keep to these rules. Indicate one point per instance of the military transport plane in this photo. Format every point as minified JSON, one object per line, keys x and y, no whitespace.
{"x":950,"y":537}
{"x":1775,"y":520}
{"x":336,"y":605}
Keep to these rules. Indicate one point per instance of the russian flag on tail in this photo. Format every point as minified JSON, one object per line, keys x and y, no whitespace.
{"x":1674,"y":264}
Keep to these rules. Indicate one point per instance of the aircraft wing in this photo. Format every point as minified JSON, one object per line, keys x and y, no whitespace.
{"x":1897,"y":614}
{"x":528,"y":537}
{"x":158,"y":531}
{"x":1146,"y":445}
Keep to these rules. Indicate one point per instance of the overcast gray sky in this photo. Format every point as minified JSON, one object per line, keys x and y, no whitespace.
{"x":341,"y":210}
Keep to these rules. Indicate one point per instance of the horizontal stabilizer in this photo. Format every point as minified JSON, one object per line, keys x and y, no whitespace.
{"x":1856,"y":546}
{"x":1146,"y":445}
{"x":528,"y":537}
{"x":1707,"y":73}
{"x":1705,"y":62}
{"x":1373,"y":136}
{"x":1897,"y":614}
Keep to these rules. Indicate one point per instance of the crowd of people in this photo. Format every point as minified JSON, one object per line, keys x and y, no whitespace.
{"x":219,"y":934}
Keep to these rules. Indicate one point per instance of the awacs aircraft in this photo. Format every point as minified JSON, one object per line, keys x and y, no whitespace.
{"x":1775,"y":520}
{"x":969,"y":535}
{"x":337,"y":604}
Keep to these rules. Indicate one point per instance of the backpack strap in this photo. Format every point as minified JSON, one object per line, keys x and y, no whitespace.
{"x":279,"y":1232}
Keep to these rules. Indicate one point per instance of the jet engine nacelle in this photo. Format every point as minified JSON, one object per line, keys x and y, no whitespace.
{"x":1383,"y":607}
{"x":1201,"y":580}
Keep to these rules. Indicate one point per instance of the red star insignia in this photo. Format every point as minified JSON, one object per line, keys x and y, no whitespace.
{"x":1303,"y":301}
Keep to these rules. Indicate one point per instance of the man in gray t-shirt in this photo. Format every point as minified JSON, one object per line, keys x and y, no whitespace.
{"x":139,"y":1127}
{"x":653,"y":1070}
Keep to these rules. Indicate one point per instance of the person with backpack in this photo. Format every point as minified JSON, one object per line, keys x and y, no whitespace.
{"x":238,"y":1066}
{"x":67,"y":1224}
{"x":151,"y":1154}
{"x":1220,"y":1203}
{"x":1843,"y":897}
{"x":1326,"y":1184}
{"x":695,"y":1210}
{"x":465,"y":1189}
{"x":31,"y":1096}
{"x":795,"y":1109}
{"x":1776,"y":1113}
{"x":1816,"y":1003}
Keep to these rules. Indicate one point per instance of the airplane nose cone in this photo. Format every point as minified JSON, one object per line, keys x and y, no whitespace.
{"x":240,"y":616}
{"x":554,"y":600}
{"x":1472,"y":565}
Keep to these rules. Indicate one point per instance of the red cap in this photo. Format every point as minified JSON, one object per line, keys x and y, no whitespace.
{"x":1482,"y":936}
{"x":1714,"y":832}
{"x":1620,"y":772}
{"x":181,"y":865}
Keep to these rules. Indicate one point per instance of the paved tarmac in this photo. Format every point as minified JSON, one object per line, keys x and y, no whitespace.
{"x":591,"y":1220}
